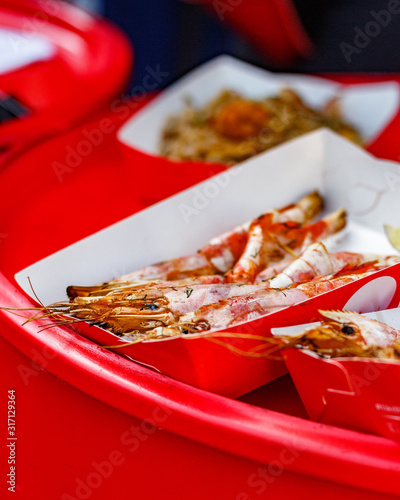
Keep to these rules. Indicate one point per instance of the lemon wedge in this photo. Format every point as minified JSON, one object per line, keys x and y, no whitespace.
{"x":393,"y":234}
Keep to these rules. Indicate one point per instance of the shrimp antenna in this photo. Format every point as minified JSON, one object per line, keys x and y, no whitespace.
{"x":34,"y":293}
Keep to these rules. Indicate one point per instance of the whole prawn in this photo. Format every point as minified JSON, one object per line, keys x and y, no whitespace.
{"x":138,"y":308}
{"x":347,"y":333}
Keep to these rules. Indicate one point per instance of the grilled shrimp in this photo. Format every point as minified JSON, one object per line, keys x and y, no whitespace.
{"x":317,"y":261}
{"x":188,"y":305}
{"x":268,"y":243}
{"x":124,"y":287}
{"x":223,"y":251}
{"x":190,"y":295}
{"x":201,"y":308}
{"x":250,"y":306}
{"x":347,"y":333}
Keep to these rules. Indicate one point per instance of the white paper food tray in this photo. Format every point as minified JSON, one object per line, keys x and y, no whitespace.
{"x":369,"y":107}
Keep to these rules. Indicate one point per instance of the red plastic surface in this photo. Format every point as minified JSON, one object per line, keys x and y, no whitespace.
{"x":199,"y":362}
{"x":89,"y":69}
{"x":66,"y":436}
{"x":76,"y":411}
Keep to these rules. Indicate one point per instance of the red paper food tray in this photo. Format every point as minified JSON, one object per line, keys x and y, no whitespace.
{"x":321,"y":163}
{"x":352,"y":393}
{"x":86,"y":399}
